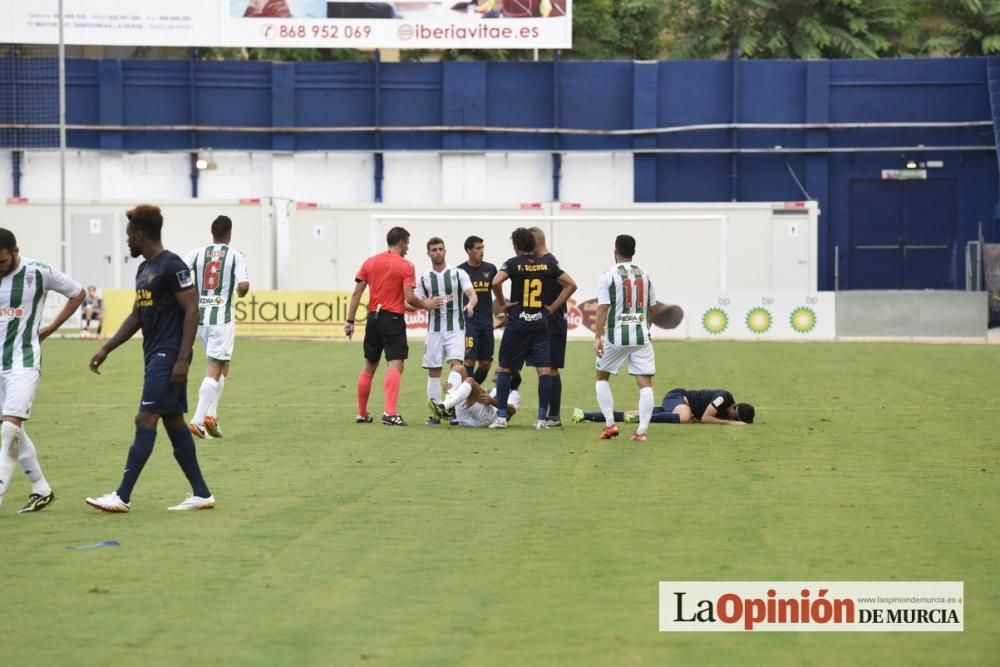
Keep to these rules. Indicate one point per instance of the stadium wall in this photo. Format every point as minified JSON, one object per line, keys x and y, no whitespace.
{"x":285,"y":159}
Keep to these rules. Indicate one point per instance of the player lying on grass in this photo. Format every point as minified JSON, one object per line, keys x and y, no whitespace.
{"x":686,"y":406}
{"x":473,"y":406}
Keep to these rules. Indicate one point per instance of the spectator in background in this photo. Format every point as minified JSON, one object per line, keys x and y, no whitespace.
{"x":93,"y":310}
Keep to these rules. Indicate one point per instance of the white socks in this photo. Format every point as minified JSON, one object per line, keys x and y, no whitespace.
{"x":645,"y":408}
{"x":434,"y":389}
{"x":458,"y":395}
{"x":28,"y":458}
{"x":606,"y":401}
{"x":455,"y":380}
{"x":213,"y":407}
{"x":207,"y":394}
{"x":10,"y":437}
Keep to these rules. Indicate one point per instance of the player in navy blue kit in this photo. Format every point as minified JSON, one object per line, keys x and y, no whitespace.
{"x":558,"y":329}
{"x":526,"y":336}
{"x":166,"y":309}
{"x":479,"y":340}
{"x":687,"y":406}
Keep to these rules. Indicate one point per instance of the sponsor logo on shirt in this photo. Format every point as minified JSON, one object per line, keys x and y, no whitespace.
{"x":631,"y":318}
{"x":210,"y":301}
{"x":11,"y":313}
{"x":143,"y":298}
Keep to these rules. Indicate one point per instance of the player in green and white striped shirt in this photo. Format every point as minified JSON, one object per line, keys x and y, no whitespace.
{"x":23,"y":286}
{"x":625,"y":301}
{"x":446,"y":323}
{"x":219,"y":270}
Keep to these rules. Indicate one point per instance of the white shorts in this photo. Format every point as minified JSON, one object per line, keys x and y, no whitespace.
{"x":218,"y":340}
{"x":443,"y":346}
{"x":17,"y":391}
{"x":479,"y":415}
{"x":641,"y":360}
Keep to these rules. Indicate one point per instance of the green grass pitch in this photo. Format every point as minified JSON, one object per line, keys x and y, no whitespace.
{"x":337,"y":544}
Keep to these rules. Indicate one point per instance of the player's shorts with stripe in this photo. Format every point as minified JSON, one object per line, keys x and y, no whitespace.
{"x":640,"y":358}
{"x":385,"y":333}
{"x":520,"y":346}
{"x":479,"y":342}
{"x":218,"y":340}
{"x":160,"y":395}
{"x":673,"y":398}
{"x":17,"y":391}
{"x":442,"y":346}
{"x":478,"y":415}
{"x":558,"y":328}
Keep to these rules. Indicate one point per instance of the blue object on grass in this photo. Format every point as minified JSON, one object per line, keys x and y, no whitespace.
{"x":105,"y":543}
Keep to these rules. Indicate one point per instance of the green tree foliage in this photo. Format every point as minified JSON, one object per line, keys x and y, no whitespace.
{"x":961,"y":27}
{"x":281,"y":55}
{"x":796,"y":29}
{"x":617,"y":29}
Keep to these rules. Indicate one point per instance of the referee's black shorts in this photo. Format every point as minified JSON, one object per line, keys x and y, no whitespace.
{"x":387,"y":333}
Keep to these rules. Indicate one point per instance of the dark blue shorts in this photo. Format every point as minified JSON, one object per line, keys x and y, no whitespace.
{"x":557,"y":340}
{"x":520,"y":346}
{"x":479,"y":342}
{"x":160,"y":395}
{"x":672,"y":400}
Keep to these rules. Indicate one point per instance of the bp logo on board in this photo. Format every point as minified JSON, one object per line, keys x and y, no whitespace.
{"x":715,"y":321}
{"x":803,"y":320}
{"x":759,"y":320}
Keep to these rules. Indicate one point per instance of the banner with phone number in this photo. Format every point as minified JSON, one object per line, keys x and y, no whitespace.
{"x":406,"y":24}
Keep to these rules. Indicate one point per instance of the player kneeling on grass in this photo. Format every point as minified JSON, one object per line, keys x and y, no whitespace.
{"x":473,"y":406}
{"x":686,"y":406}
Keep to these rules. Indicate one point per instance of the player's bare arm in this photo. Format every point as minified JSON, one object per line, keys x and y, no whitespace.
{"x":352,"y":310}
{"x":470,"y":301}
{"x":242,"y":288}
{"x":71,"y":307}
{"x":410,"y":296}
{"x":125,"y":331}
{"x":568,"y":287}
{"x":188,"y":302}
{"x":600,"y":323}
{"x":503,"y":305}
{"x":711,"y":416}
